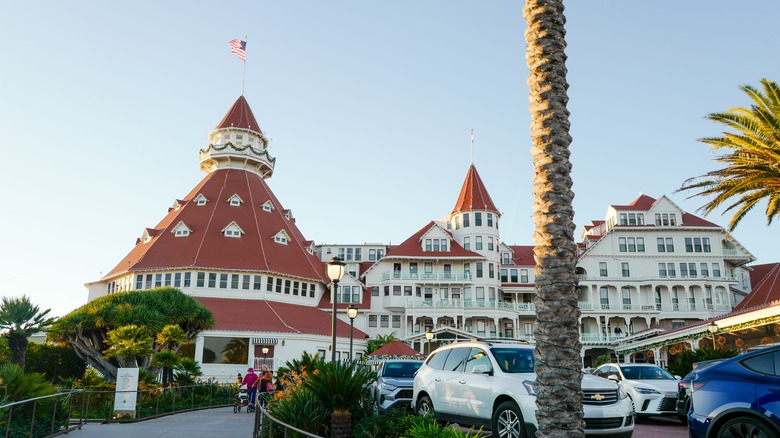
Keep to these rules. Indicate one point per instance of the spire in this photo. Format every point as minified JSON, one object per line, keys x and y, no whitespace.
{"x":240,"y":116}
{"x":473,"y":195}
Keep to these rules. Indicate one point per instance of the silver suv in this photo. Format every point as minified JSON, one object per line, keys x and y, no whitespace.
{"x":491,"y":385}
{"x":393,"y":386}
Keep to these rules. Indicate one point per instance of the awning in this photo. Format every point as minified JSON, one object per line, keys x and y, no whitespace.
{"x":265,"y":341}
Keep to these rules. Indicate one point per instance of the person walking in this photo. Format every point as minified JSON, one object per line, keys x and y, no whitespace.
{"x":266,"y":380}
{"x":251,"y":381}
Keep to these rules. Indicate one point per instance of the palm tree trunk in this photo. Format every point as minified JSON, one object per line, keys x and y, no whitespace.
{"x":341,"y":424}
{"x":17,"y":343}
{"x":558,"y":366}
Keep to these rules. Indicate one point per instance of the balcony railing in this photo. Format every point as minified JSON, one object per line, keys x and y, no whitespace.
{"x":436,"y":277}
{"x":657,"y":278}
{"x":529,"y":308}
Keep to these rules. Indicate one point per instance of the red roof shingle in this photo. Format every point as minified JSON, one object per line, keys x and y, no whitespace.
{"x":473,"y":194}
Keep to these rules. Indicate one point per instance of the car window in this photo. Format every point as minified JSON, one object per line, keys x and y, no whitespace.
{"x":514,"y":360}
{"x":646,"y":373}
{"x":436,"y":361}
{"x":456,"y":359}
{"x":478,"y":357}
{"x":400,"y":369}
{"x":763,"y":363}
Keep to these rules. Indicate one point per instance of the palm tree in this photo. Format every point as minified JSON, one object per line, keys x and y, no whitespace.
{"x":127,"y":343}
{"x":752,"y":168}
{"x":340,"y":386}
{"x":167,"y":360}
{"x":22,"y":319}
{"x":187,"y":371}
{"x":558,"y":363}
{"x":171,"y":337}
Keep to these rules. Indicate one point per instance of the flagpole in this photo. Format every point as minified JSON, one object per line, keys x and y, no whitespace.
{"x":243,"y":69}
{"x":472,"y":146}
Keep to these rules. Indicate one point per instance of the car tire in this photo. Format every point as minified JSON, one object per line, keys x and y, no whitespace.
{"x":745,"y":426}
{"x":684,"y":418}
{"x":425,"y":407}
{"x":508,"y":421}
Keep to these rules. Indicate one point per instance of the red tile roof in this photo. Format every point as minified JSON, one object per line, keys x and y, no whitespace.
{"x":473,"y":194}
{"x":523,"y":255}
{"x":412,"y":247}
{"x":395,"y":348}
{"x":208,"y":248}
{"x":765,"y":280}
{"x":642,"y":203}
{"x":240,"y":116}
{"x":274,"y":317}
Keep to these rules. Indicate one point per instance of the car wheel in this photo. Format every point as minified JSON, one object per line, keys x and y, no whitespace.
{"x":508,"y":421}
{"x":684,"y":418}
{"x":425,"y":406}
{"x":745,"y":426}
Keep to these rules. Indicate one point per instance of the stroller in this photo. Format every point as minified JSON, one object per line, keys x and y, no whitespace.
{"x":242,"y":399}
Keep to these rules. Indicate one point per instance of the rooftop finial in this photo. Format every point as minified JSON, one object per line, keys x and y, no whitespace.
{"x":472,"y":146}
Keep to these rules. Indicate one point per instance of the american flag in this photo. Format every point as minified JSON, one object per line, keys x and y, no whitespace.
{"x":239,"y":48}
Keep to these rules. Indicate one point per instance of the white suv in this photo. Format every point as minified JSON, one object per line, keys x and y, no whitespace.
{"x":491,"y":385}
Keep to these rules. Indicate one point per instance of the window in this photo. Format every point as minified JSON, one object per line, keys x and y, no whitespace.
{"x":187,"y":276}
{"x":505,"y":258}
{"x":691,"y":300}
{"x":234,"y":281}
{"x":158,"y":280}
{"x":478,"y":242}
{"x":675,"y":298}
{"x":467,"y":243}
{"x":684,"y":270}
{"x":311,"y":290}
{"x":372,"y":320}
{"x":358,"y":254}
{"x":477,"y":219}
{"x":218,"y":350}
{"x":396,"y":321}
{"x":626,"y":293}
{"x":223,"y":281}
{"x":371,"y":255}
{"x":625,"y":269}
{"x":662,"y":270}
{"x":267,"y":206}
{"x":467,"y":270}
{"x":603,"y":269}
{"x":623,"y":219}
{"x":201,"y":279}
{"x":465,"y":220}
{"x":374,"y":291}
{"x":657,"y":298}
{"x":716,"y":270}
{"x":413,"y":269}
{"x":457,"y":222}
{"x":397,"y":290}
{"x":287,"y":287}
{"x":622,"y":246}
{"x":706,"y":244}
{"x":444,"y":245}
{"x":212,"y":279}
{"x":524,"y":276}
{"x":407,"y":291}
{"x":491,"y":271}
{"x":479,"y":269}
{"x":504,"y":276}
{"x":278,"y":285}
{"x":640,"y":244}
{"x":258,"y":283}
{"x":168,"y":278}
{"x":670,"y":268}
{"x":428,"y":267}
{"x":269,"y":285}
{"x":384,"y":320}
{"x":490,"y":219}
{"x":490,"y":243}
{"x":604,"y":298}
{"x":665,"y":219}
{"x":235,"y":201}
{"x":692,"y":270}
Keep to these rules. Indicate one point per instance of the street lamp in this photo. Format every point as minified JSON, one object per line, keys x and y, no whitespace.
{"x":712,"y":328}
{"x":265,"y":352}
{"x":352,"y":312}
{"x":429,"y":336}
{"x":335,"y":272}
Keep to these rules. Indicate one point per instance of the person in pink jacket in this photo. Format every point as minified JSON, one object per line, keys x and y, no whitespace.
{"x":251,"y":380}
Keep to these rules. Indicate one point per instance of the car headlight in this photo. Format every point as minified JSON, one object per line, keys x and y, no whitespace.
{"x":646,"y":390}
{"x":529,"y":386}
{"x":387,"y":387}
{"x":621,"y":394}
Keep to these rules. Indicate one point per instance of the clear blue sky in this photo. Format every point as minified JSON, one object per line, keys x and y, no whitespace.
{"x":104,"y":105}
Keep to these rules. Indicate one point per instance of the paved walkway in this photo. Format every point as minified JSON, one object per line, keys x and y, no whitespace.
{"x":208,"y":423}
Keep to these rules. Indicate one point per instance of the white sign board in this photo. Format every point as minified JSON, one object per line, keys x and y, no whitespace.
{"x":126,"y":390}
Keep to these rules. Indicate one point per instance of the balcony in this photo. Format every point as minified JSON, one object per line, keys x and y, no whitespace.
{"x":653,"y":308}
{"x":656,"y":278}
{"x":471,"y":304}
{"x":427,"y":277}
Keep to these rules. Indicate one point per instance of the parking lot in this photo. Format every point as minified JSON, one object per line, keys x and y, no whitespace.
{"x":656,"y":427}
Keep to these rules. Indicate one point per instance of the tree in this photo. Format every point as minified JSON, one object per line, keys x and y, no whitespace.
{"x":167,"y":360}
{"x":58,"y":362}
{"x":558,"y":364}
{"x":752,"y":167}
{"x":86,"y":328}
{"x":22,"y":319}
{"x":169,"y":340}
{"x":379,"y":342}
{"x":187,"y":371}
{"x":127,"y":344}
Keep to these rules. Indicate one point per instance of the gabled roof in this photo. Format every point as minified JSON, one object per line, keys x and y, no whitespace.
{"x":240,"y":116}
{"x":523,"y":255}
{"x":275,"y":317}
{"x":473,"y":194}
{"x":395,"y":348}
{"x":765,"y":280}
{"x":412,"y":247}
{"x":255,"y":251}
{"x":642,"y":203}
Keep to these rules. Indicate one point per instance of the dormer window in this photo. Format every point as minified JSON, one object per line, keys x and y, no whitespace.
{"x":268,"y":206}
{"x":181,"y":230}
{"x":235,"y":200}
{"x":201,"y":200}
{"x":232,"y":230}
{"x":177,"y":204}
{"x":147,"y":235}
{"x":282,"y":237}
{"x":288,"y":214}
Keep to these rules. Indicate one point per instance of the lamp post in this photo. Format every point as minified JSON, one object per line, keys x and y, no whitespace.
{"x":352,"y":312}
{"x":265,"y":353}
{"x":712,"y":328}
{"x":428,"y":337}
{"x":335,"y":272}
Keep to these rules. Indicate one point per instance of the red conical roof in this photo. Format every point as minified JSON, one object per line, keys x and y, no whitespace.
{"x":473,"y":194}
{"x":240,"y":116}
{"x":206,"y":247}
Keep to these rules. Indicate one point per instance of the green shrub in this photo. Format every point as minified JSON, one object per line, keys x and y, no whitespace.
{"x":684,"y":361}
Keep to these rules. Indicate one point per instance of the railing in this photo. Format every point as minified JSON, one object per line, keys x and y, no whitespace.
{"x":267,"y":426}
{"x":527,"y":308}
{"x":656,"y":278}
{"x":426,"y":276}
{"x":68,"y":410}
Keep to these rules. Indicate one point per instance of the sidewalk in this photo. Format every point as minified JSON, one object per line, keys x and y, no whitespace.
{"x":207,"y":423}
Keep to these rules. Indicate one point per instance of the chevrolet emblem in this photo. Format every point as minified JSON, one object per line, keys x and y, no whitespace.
{"x":597,"y":397}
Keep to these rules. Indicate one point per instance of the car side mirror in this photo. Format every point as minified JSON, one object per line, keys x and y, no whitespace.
{"x":677,"y":377}
{"x":613,"y":378}
{"x":482,"y":369}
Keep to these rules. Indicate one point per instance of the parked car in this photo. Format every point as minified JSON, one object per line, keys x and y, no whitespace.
{"x":737,"y":397}
{"x":491,"y":385}
{"x":652,"y":389}
{"x":684,"y":389}
{"x":394,"y":382}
